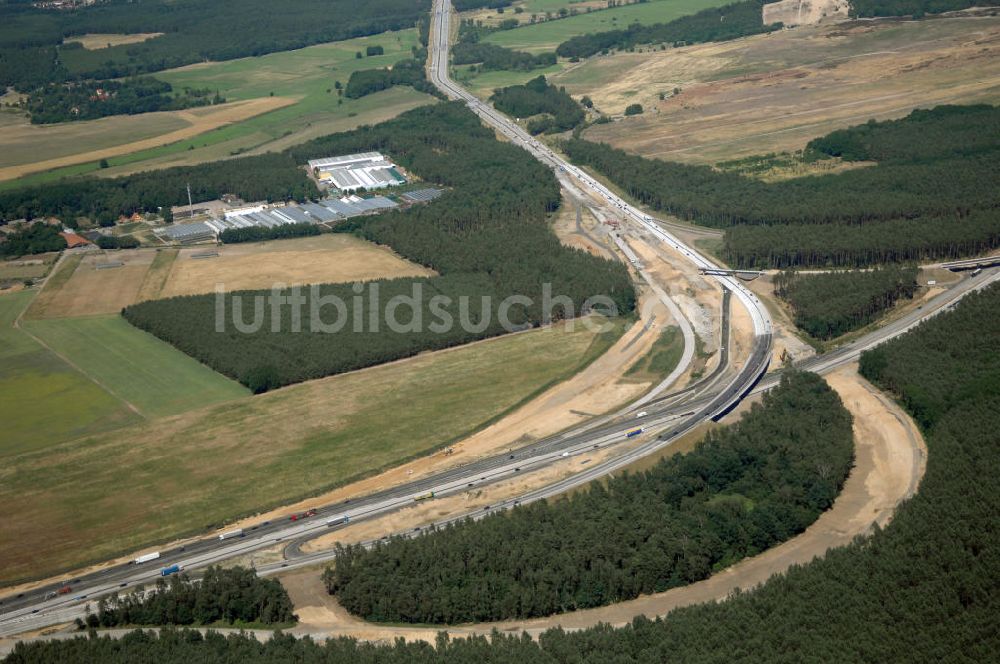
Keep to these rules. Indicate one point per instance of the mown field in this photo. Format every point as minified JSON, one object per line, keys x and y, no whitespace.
{"x":44,"y":401}
{"x":182,"y":474}
{"x":545,"y":36}
{"x":304,"y":75}
{"x":135,"y":366}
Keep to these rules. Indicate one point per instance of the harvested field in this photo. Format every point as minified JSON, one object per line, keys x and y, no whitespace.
{"x":220,"y":462}
{"x":33,"y":148}
{"x":95,"y":41}
{"x":82,"y":289}
{"x":312,"y":260}
{"x":89,"y":291}
{"x":772,"y":93}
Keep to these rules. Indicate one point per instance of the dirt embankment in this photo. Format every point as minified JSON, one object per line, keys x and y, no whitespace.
{"x":890,"y":458}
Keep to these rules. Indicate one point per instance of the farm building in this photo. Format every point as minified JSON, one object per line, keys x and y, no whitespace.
{"x":348,"y":173}
{"x":74,"y":240}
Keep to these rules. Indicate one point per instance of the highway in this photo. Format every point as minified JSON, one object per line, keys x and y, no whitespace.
{"x":666,"y":418}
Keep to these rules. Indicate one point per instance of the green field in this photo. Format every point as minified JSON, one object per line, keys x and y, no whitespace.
{"x":185,"y":473}
{"x":305,"y":74}
{"x":547,"y":35}
{"x":44,"y":401}
{"x":154,"y":377}
{"x":661,"y":359}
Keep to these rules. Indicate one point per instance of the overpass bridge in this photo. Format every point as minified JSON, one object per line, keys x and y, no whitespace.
{"x":745,"y":275}
{"x":972,"y":263}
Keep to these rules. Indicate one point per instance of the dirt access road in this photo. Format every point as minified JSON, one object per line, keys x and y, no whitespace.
{"x":890,"y":460}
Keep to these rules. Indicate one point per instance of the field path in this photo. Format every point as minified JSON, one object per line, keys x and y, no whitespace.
{"x":209,"y":118}
{"x":890,"y":459}
{"x":37,"y":340}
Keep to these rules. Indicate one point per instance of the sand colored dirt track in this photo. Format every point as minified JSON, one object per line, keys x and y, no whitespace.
{"x":890,"y":458}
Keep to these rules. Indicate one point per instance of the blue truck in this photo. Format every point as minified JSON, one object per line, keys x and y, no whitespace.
{"x":634,"y":433}
{"x":167,"y":571}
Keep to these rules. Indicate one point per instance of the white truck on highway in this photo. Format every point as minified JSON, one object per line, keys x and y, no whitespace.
{"x":146,"y":557}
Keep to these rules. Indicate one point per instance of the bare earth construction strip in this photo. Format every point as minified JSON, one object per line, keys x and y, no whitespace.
{"x":890,"y":460}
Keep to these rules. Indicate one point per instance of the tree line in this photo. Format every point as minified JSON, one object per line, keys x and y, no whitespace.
{"x":113,"y":242}
{"x":915,"y":8}
{"x":923,"y":588}
{"x":97,"y":99}
{"x":223,"y":595}
{"x":262,"y":233}
{"x":410,"y":71}
{"x":194,"y":31}
{"x":930,"y":194}
{"x":742,"y":490}
{"x":491,"y":57}
{"x":738,"y":19}
{"x":487,"y":237}
{"x":558,"y":111}
{"x":36,"y":238}
{"x":832,"y":304}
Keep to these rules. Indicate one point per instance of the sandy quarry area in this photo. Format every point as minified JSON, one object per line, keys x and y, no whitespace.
{"x":890,"y":460}
{"x":32,"y":148}
{"x":773,"y":93}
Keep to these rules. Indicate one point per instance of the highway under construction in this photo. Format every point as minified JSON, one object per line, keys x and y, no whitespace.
{"x":665,"y":416}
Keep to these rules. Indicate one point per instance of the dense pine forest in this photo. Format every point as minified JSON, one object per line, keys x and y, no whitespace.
{"x":714,"y":24}
{"x":557,"y":110}
{"x":229,"y":596}
{"x":97,"y":99}
{"x":832,"y":304}
{"x":742,"y":490}
{"x":930,"y":194}
{"x":924,"y":589}
{"x":488,"y":238}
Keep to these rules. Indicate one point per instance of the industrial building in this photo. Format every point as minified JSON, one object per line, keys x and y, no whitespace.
{"x":328,"y":210}
{"x":352,"y":172}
